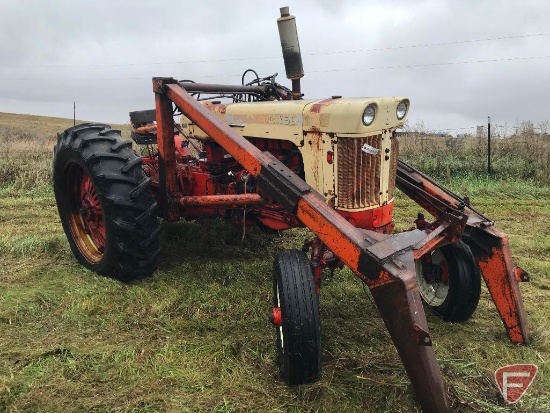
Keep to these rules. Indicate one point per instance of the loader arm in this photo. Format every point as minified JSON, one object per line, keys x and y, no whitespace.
{"x":489,"y":245}
{"x":385,"y":263}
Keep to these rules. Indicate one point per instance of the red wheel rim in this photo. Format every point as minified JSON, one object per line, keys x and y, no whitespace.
{"x":91,"y":212}
{"x":86,"y":219}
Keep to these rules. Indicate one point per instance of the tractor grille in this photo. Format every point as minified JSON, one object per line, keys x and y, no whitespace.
{"x":393,"y":167}
{"x":358,"y":173}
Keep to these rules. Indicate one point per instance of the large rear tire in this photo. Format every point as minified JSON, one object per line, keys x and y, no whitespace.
{"x":299,"y":332}
{"x":105,"y":203}
{"x":449,"y":282}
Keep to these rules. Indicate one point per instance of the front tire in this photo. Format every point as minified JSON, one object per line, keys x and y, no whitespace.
{"x":449,"y":282}
{"x":105,"y":203}
{"x":299,"y":332}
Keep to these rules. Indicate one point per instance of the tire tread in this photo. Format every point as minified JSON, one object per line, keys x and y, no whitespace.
{"x":133,"y":246}
{"x":301,"y":362}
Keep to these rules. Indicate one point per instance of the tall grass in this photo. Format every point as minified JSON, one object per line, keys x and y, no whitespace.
{"x":524,"y":155}
{"x":25,"y":159}
{"x":195,"y":335}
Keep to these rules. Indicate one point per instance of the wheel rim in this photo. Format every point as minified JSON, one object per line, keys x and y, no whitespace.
{"x":85,"y":213}
{"x":432,"y":276}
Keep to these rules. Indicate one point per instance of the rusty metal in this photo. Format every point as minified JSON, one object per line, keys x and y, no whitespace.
{"x":492,"y":252}
{"x":168,"y":182}
{"x":409,"y":332}
{"x":145,"y":129}
{"x":191,"y":87}
{"x":379,"y":265}
{"x":317,"y":250}
{"x":220,"y":201}
{"x":296,"y":89}
{"x":243,"y":151}
{"x":489,"y":245}
{"x":358,"y":186}
{"x":521,"y":275}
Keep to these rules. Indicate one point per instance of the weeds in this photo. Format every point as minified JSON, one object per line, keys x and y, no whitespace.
{"x":195,"y":337}
{"x":525,"y":155}
{"x":26,"y":150}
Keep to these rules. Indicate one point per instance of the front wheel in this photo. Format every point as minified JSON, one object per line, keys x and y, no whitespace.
{"x":296,"y":318}
{"x":449,"y":282}
{"x":105,"y":203}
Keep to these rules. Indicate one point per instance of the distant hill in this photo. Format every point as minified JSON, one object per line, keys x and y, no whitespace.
{"x":42,"y":125}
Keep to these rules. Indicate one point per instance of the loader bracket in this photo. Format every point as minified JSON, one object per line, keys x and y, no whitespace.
{"x":489,"y":245}
{"x":281,"y":184}
{"x":422,"y":336}
{"x":521,"y":275}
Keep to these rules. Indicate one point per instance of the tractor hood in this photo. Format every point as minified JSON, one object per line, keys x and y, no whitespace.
{"x":279,"y":119}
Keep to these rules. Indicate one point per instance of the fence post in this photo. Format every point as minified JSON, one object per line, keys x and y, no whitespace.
{"x":489,"y":145}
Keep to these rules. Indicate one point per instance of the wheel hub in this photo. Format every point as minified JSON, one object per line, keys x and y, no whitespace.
{"x":432,"y":275}
{"x":88,"y":213}
{"x":276,"y":317}
{"x":435,"y":273}
{"x":91,"y":213}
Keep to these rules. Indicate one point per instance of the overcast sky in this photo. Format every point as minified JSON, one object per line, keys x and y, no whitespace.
{"x":457,"y":61}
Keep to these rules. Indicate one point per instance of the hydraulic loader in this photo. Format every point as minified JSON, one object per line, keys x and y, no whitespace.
{"x":260,"y":154}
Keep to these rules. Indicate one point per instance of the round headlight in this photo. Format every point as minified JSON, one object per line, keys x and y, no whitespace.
{"x":368,"y":115}
{"x":401,"y":109}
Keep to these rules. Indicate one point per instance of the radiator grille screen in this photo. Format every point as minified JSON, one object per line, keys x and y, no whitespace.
{"x":358,"y":173}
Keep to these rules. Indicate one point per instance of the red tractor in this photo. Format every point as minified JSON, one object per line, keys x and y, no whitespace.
{"x":260,"y":154}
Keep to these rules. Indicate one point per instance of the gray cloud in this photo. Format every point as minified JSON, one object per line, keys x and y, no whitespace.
{"x":56,"y":52}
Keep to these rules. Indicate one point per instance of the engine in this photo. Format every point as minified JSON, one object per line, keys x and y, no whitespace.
{"x":345,"y":148}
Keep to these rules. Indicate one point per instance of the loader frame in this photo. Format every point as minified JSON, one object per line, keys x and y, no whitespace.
{"x":385,"y":263}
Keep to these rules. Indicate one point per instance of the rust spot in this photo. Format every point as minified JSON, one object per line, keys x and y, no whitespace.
{"x":316,"y":146}
{"x":316,"y":107}
{"x":317,"y":141}
{"x":382,"y":278}
{"x":216,"y":107}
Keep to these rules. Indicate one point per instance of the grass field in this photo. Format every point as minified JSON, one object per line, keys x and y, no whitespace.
{"x":195,"y":336}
